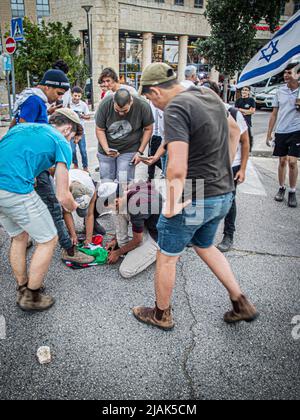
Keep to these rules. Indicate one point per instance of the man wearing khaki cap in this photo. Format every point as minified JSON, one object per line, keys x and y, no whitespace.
{"x":201,"y":139}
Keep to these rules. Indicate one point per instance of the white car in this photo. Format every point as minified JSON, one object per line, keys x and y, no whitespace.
{"x":265,"y":99}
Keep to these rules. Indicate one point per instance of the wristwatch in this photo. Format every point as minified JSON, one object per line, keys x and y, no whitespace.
{"x":141,"y":153}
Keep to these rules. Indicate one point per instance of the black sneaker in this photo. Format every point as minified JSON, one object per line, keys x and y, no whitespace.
{"x":280,"y":195}
{"x":226,"y":244}
{"x":292,"y":200}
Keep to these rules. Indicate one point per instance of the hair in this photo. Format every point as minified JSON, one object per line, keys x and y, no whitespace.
{"x":61,"y":65}
{"x":122,"y":98}
{"x":77,"y":89}
{"x":167,"y":86}
{"x":190,"y":71}
{"x":59,"y":120}
{"x":246,"y":87}
{"x":213,"y":86}
{"x":108,"y":72}
{"x":291,"y":66}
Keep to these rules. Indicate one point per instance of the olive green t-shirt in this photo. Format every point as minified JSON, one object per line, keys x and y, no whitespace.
{"x":124,"y":133}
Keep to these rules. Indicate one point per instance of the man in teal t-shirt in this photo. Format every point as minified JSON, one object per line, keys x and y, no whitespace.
{"x":25,"y":152}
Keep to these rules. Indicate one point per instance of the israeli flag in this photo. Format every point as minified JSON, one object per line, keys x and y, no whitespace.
{"x":275,"y":56}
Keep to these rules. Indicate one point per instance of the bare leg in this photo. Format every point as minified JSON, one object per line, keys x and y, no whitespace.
{"x":282,"y":170}
{"x":18,"y":258}
{"x":219,"y":265}
{"x":293,"y":165}
{"x":165,"y":280}
{"x":40,"y":263}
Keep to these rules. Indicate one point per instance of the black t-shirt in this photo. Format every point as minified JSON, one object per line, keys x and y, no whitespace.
{"x":246,"y":103}
{"x":144,"y":208}
{"x":198,"y":117}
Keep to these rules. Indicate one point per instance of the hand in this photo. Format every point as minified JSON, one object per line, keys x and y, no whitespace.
{"x":240,"y":176}
{"x":88,"y":241}
{"x":269,"y":141}
{"x":113,"y":257}
{"x":111,"y":154}
{"x":136,"y":160}
{"x":111,"y":246}
{"x":68,"y":202}
{"x":151,"y":160}
{"x":169,"y":213}
{"x":74,"y":240}
{"x":53,"y":108}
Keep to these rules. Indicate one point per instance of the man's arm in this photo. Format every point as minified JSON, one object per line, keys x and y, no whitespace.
{"x":101,"y":136}
{"x":63,"y":193}
{"x":130,"y":246}
{"x":234,"y":137}
{"x":147,"y":135}
{"x":178,"y":153}
{"x":69,"y":221}
{"x":245,"y":141}
{"x":89,"y":221}
{"x":272,"y":123}
{"x":250,"y":111}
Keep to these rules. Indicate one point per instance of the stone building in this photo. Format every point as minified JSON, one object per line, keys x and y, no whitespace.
{"x":129,"y":34}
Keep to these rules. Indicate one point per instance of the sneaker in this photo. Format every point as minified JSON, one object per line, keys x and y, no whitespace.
{"x":150,"y":316}
{"x":292,"y":202}
{"x":243,"y":310}
{"x":99,"y":229}
{"x":35,"y":301}
{"x":280,"y":195}
{"x":78,"y":257}
{"x":226,"y":244}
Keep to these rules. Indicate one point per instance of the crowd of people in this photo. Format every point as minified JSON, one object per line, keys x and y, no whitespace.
{"x":200,"y":144}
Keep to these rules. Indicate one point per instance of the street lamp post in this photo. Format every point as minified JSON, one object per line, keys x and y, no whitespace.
{"x":87,"y":9}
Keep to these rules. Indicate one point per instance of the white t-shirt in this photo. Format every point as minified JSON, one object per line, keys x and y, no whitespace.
{"x":80,"y":108}
{"x":130,"y":89}
{"x":67,"y":99}
{"x":83,"y":178}
{"x":159,"y":126}
{"x":187,"y":84}
{"x":241,"y":122}
{"x":288,"y":120}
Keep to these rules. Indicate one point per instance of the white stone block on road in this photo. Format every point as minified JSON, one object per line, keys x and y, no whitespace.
{"x":44,"y":355}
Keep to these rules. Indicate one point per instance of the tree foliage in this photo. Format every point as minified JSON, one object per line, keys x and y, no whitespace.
{"x":44,"y":44}
{"x":232,"y":41}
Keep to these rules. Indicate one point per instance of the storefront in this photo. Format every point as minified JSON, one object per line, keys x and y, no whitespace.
{"x":164,"y":49}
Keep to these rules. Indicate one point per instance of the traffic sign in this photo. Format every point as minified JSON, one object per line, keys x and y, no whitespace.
{"x":17,"y":31}
{"x":7,"y":64}
{"x":10,"y":45}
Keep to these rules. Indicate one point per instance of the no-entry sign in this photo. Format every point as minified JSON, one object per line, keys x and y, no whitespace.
{"x":10,"y":45}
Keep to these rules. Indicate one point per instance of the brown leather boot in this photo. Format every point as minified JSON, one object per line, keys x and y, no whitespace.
{"x":35,"y":301}
{"x":20,"y":291}
{"x":155,"y":317}
{"x":243,"y":310}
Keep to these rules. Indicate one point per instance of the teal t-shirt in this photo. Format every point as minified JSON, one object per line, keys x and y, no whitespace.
{"x":26,"y":151}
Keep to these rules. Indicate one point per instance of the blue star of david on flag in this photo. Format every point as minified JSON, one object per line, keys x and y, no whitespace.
{"x":269,"y":52}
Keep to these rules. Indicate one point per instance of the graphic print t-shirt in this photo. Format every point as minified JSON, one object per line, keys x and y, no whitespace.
{"x":124,"y":133}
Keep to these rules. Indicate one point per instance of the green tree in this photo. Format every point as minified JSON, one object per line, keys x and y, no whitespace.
{"x":44,"y":44}
{"x":232,"y":41}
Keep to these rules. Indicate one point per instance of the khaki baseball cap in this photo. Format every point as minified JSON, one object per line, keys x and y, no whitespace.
{"x":156,"y":74}
{"x":71,"y":115}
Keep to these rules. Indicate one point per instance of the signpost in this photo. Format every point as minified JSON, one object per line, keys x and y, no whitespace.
{"x":10,"y":45}
{"x":17,"y":29}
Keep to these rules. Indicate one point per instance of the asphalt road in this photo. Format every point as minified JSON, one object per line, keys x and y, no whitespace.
{"x":101,"y":352}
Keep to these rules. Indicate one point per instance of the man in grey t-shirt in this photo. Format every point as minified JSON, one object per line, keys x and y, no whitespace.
{"x":286,"y":118}
{"x":200,"y":137}
{"x":124,"y":129}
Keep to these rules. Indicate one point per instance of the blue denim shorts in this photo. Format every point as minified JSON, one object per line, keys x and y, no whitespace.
{"x":197,"y":224}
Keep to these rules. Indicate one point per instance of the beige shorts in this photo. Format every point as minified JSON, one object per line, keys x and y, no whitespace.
{"x":26,"y":213}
